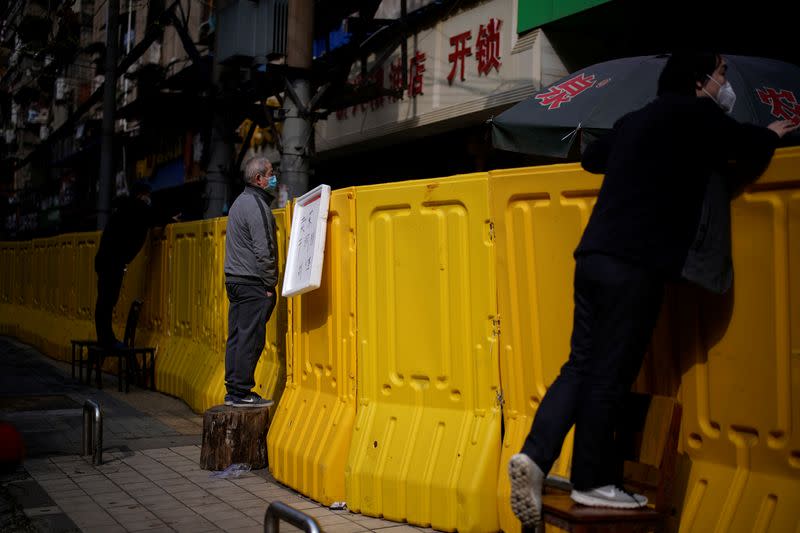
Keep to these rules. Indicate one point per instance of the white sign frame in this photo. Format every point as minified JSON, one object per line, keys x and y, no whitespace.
{"x":306,"y":252}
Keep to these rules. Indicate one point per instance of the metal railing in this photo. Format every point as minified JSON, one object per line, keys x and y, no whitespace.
{"x":92,"y":442}
{"x":278,"y":511}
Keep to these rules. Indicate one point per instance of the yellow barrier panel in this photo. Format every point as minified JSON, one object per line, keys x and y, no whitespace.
{"x":83,"y":286}
{"x":740,"y":388}
{"x":270,"y":373}
{"x":10,"y":258}
{"x":66,"y":275}
{"x":153,"y":319}
{"x":309,"y":438}
{"x":85,"y":277}
{"x":739,"y":470}
{"x":182,"y":359}
{"x":426,"y":441}
{"x":539,"y":214}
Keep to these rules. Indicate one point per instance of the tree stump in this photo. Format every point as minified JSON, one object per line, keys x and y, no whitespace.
{"x":234,"y":435}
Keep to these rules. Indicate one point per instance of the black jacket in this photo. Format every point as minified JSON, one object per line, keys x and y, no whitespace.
{"x":657,"y":162}
{"x":123,"y":235}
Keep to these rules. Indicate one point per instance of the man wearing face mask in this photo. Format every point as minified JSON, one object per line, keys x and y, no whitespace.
{"x":657,"y":162}
{"x":251,"y":274}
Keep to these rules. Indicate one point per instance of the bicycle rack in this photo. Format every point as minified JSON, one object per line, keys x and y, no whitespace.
{"x":92,"y":442}
{"x":279,"y":510}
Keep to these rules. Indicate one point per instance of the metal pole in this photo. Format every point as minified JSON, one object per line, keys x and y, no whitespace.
{"x":86,"y":447}
{"x":297,"y":126}
{"x":92,"y":442}
{"x":97,"y":458}
{"x":104,"y":192}
{"x":279,"y":510}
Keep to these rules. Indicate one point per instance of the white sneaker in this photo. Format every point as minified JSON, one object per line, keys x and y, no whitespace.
{"x":527,"y":480}
{"x":609,"y":496}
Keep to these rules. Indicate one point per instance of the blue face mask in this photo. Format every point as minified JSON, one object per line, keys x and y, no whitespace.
{"x":272,"y":182}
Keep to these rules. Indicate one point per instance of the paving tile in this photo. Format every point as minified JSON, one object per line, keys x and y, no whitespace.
{"x":107,"y":528}
{"x":373,"y":523}
{"x":232,"y":521}
{"x":161,"y":528}
{"x":177,"y":513}
{"x":344,"y":528}
{"x":333,"y":520}
{"x":398,"y":529}
{"x":212,"y":509}
{"x":91,"y":518}
{"x":302,"y":505}
{"x":257,"y":528}
{"x":249,"y":503}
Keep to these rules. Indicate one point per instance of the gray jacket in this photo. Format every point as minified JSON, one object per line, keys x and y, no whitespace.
{"x":251,"y":253}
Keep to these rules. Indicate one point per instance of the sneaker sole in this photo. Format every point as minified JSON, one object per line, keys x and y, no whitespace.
{"x":591,"y":501}
{"x":523,"y":502}
{"x":253,"y":405}
{"x":229,"y":402}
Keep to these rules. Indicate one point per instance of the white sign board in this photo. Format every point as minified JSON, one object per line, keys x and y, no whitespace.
{"x":307,"y":242}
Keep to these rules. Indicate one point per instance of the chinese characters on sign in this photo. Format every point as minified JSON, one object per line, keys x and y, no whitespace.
{"x":783,"y":103}
{"x":415,"y":74}
{"x":306,"y":242}
{"x":460,"y":53}
{"x":487,"y":57}
{"x":488,"y":47}
{"x":565,"y":91}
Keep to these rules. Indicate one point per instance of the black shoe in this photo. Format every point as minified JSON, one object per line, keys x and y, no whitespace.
{"x":251,"y":400}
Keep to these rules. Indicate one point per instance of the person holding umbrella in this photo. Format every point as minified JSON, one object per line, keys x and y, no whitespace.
{"x":657,"y":163}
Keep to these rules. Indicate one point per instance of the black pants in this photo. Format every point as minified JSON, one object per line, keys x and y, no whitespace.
{"x":248,"y":312}
{"x":616,"y":308}
{"x":109,"y":283}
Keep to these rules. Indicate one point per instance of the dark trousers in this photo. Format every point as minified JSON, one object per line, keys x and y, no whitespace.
{"x":249,"y":310}
{"x":109,"y":283}
{"x":616,"y":308}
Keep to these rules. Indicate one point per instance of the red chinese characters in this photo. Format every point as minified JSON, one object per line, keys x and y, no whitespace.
{"x":565,"y":91}
{"x":377,"y":78}
{"x":415,"y":74}
{"x":487,"y":56}
{"x":396,"y":77}
{"x":783,"y":103}
{"x":487,"y":47}
{"x":461,"y":52}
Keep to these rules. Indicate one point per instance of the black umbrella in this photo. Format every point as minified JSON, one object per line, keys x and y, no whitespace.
{"x":586,"y":103}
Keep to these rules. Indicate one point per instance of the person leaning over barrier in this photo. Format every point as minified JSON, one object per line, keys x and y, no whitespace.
{"x":251,"y":274}
{"x":122,"y":238}
{"x":657,"y":162}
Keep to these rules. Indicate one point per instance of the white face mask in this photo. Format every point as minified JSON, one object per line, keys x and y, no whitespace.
{"x":725,"y":96}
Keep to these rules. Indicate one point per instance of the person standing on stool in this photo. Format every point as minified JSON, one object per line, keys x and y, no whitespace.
{"x":251,"y":274}
{"x":657,"y":163}
{"x":122,"y":238}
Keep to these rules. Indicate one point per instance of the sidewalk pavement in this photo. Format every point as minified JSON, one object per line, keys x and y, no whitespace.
{"x":150,"y":479}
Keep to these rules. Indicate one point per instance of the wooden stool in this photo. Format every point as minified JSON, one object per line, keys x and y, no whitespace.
{"x":648,"y":436}
{"x":234,"y":435}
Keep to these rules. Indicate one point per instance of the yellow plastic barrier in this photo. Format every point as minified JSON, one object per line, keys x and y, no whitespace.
{"x":270,"y":373}
{"x":309,"y":438}
{"x":739,"y":469}
{"x":9,"y":286}
{"x":539,"y":214}
{"x":740,"y":386}
{"x":423,"y":442}
{"x":426,"y":443}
